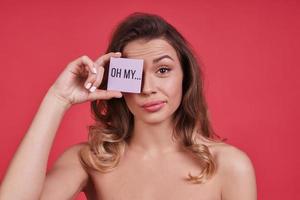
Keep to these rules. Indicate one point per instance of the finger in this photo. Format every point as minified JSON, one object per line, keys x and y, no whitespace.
{"x":90,"y":81}
{"x":99,"y":65}
{"x":104,"y":94}
{"x":102,"y":60}
{"x":89,"y":66}
{"x":86,"y":61}
{"x":98,"y":79}
{"x":92,"y":76}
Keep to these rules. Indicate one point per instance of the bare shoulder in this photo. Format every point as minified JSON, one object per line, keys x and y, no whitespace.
{"x":236,"y":171}
{"x":71,"y":154}
{"x":227,"y":155}
{"x":231,"y":157}
{"x":76,"y":147}
{"x":67,"y":171}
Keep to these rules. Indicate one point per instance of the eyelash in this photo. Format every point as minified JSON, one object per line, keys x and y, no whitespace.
{"x":168,"y":69}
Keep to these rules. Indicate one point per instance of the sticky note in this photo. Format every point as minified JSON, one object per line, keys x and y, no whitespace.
{"x":125,"y":74}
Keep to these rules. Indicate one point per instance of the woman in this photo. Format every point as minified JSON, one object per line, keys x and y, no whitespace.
{"x":157,"y":144}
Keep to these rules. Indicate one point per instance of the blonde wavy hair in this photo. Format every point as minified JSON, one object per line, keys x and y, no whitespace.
{"x":114,"y":122}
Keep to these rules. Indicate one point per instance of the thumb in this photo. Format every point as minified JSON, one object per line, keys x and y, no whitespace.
{"x":104,"y":94}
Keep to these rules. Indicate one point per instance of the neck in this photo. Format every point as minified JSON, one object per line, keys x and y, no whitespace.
{"x":153,"y":138}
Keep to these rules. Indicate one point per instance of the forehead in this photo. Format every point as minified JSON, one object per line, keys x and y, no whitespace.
{"x":153,"y":48}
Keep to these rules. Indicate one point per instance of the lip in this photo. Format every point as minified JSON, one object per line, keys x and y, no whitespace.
{"x":153,"y":106}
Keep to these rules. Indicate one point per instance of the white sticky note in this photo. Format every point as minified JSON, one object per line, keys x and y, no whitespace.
{"x":125,"y":74}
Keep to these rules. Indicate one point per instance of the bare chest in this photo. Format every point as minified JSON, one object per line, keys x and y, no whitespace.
{"x":145,"y":180}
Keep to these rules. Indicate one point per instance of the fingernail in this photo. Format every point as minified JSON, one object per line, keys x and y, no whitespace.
{"x":88,"y":85}
{"x":93,"y":89}
{"x":119,"y":53}
{"x":94,"y":70}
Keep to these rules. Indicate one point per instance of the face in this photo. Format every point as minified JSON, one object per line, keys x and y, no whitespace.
{"x":161,"y":90}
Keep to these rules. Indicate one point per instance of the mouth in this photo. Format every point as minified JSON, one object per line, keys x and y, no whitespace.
{"x":153,"y":106}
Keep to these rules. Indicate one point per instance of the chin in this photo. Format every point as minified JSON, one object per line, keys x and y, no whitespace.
{"x":153,"y":118}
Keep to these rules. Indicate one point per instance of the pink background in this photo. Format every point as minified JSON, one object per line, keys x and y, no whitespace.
{"x":250,"y":50}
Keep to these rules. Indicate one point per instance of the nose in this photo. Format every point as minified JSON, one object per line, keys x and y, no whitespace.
{"x":148,"y":86}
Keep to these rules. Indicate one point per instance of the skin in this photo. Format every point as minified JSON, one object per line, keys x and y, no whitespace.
{"x":153,"y":166}
{"x":161,"y":81}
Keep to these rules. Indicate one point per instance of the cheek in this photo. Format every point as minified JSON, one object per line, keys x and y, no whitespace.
{"x":173,"y":89}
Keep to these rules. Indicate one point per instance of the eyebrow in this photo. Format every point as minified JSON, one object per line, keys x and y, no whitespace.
{"x":162,"y":57}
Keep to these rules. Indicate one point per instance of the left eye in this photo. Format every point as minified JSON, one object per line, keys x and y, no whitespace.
{"x":163,"y":70}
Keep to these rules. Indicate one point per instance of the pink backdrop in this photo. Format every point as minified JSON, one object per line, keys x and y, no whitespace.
{"x":250,"y":50}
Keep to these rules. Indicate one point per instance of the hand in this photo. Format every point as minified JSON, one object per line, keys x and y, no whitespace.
{"x":79,"y":81}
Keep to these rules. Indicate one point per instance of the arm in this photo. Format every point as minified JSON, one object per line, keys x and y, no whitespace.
{"x":238,"y":181}
{"x":26,"y":173}
{"x":67,"y":173}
